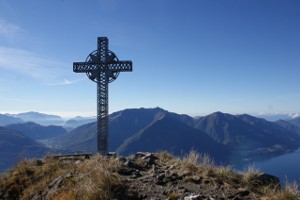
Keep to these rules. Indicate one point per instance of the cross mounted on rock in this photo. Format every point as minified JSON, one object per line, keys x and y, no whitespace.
{"x":103,"y":67}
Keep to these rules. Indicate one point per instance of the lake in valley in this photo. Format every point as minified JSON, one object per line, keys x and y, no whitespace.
{"x":286,"y":167}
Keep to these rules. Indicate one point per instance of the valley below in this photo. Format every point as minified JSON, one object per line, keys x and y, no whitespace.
{"x":235,"y":140}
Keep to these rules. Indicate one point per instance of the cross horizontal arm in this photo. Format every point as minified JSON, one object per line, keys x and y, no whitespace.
{"x":84,"y":67}
{"x":121,"y":66}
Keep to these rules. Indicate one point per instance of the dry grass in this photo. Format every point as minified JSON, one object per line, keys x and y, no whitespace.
{"x":196,"y":163}
{"x":101,"y":182}
{"x":92,"y":179}
{"x":289,"y":192}
{"x":28,"y":178}
{"x":174,"y":195}
{"x":249,"y":178}
{"x":204,"y":166}
{"x":98,"y":178}
{"x":228,"y":175}
{"x":199,"y":159}
{"x":65,"y":195}
{"x":165,"y":157}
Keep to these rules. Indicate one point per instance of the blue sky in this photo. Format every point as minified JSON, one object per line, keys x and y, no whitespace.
{"x":194,"y":57}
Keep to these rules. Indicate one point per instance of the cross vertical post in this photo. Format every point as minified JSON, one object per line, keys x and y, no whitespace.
{"x":102,"y":100}
{"x":102,"y":66}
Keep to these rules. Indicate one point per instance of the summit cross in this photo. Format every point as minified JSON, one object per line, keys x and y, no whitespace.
{"x":103,"y":67}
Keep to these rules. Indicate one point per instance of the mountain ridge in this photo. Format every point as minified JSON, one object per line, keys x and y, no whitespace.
{"x":246,"y":136}
{"x":158,"y":136}
{"x":39,"y":118}
{"x":38,"y":132}
{"x":31,"y":115}
{"x":243,"y":137}
{"x":6,"y":120}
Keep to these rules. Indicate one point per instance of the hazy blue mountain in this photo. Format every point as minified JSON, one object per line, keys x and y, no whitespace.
{"x":38,"y":132}
{"x":14,"y":146}
{"x":167,"y":133}
{"x":125,"y":123}
{"x":80,"y":139}
{"x":180,"y":136}
{"x":236,"y":129}
{"x":122,"y":125}
{"x":277,"y":116}
{"x":39,"y":118}
{"x":5,"y":120}
{"x":274,"y":116}
{"x":223,"y":128}
{"x":249,"y":137}
{"x":295,"y":121}
{"x":272,"y":133}
{"x":132,"y":130}
{"x":289,"y":126}
{"x":78,"y":121}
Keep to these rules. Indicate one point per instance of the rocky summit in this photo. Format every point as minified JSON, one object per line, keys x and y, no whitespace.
{"x":140,"y":176}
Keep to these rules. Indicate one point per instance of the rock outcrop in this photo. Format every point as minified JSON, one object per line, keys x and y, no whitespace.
{"x":142,"y":176}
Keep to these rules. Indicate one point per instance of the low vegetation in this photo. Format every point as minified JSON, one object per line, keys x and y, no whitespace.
{"x":141,"y":176}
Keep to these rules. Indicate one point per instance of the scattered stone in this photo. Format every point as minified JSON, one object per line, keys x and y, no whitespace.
{"x":243,"y":193}
{"x":150,"y":156}
{"x":112,"y":154}
{"x":172,"y":176}
{"x":239,"y":195}
{"x":130,"y":163}
{"x":160,"y":182}
{"x":160,"y":177}
{"x":268,"y":180}
{"x":136,"y":174}
{"x":126,"y":171}
{"x":122,"y":159}
{"x":149,"y":159}
{"x":195,"y":179}
{"x":77,"y":162}
{"x":39,"y":162}
{"x":57,"y":181}
{"x":139,"y":155}
{"x":185,"y":173}
{"x":172,"y":167}
{"x":193,"y":197}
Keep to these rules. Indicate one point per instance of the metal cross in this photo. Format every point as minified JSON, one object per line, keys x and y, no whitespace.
{"x":102,"y":66}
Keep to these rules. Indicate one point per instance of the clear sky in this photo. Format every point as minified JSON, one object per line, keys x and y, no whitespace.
{"x":189,"y":56}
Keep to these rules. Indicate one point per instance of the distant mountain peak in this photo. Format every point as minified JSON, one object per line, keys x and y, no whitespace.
{"x":7,"y":119}
{"x":217,"y":113}
{"x":220,"y":115}
{"x":40,"y":118}
{"x":155,"y":109}
{"x":36,"y":114}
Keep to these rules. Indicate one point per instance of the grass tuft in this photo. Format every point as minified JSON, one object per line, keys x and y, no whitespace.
{"x":249,"y":177}
{"x":174,"y":195}
{"x":228,"y":175}
{"x":290,"y":192}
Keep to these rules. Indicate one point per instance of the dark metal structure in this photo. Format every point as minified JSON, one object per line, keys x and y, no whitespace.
{"x":103,"y":67}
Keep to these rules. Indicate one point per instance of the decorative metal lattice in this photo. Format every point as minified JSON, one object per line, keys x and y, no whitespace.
{"x":102,"y":66}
